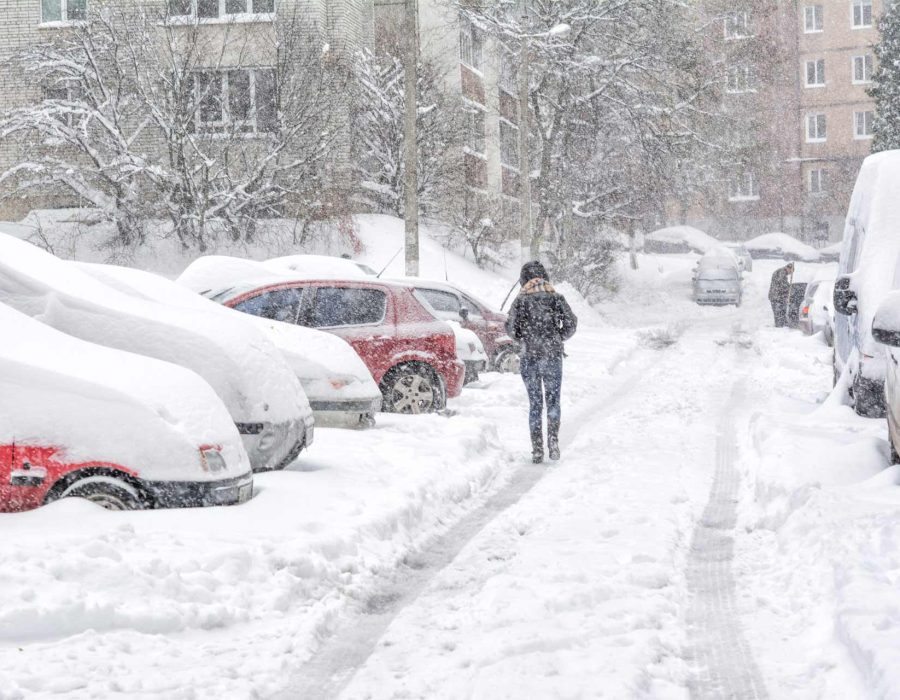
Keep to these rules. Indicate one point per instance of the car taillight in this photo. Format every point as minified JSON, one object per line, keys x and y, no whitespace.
{"x":211,"y":458}
{"x":804,"y":311}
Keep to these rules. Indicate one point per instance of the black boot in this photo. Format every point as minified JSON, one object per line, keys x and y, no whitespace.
{"x":537,"y":447}
{"x":553,"y":439}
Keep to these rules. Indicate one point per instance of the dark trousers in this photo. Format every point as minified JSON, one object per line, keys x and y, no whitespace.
{"x":779,"y":310}
{"x":543,"y":381}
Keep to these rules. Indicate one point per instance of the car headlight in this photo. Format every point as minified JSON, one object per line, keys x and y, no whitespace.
{"x":212,"y":459}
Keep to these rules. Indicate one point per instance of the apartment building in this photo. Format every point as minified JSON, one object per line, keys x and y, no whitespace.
{"x":803,"y":87}
{"x":835,"y":64}
{"x":240,"y":38}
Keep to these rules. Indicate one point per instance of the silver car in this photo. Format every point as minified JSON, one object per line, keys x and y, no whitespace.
{"x":717,"y":279}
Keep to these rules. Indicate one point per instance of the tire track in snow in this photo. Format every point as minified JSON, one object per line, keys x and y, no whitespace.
{"x":333,"y":666}
{"x":722,"y":661}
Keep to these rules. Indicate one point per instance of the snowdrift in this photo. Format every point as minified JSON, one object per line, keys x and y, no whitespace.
{"x":781,"y":245}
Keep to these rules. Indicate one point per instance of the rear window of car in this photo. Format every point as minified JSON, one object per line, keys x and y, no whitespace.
{"x":278,"y":305}
{"x":347,"y":306}
{"x":440,"y":301}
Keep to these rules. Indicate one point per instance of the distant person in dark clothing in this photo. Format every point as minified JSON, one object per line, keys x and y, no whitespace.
{"x":779,"y":290}
{"x":541,"y":320}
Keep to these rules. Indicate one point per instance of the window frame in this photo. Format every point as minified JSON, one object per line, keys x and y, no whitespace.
{"x":818,"y":13}
{"x":857,"y":136}
{"x":227,"y":126}
{"x":809,"y":133}
{"x":223,"y":16}
{"x":868,"y":63}
{"x":821,"y":181}
{"x":740,"y":193}
{"x":862,"y":4}
{"x":511,"y":130}
{"x":736,"y":30}
{"x":64,"y":19}
{"x":743,"y":79}
{"x":473,"y":108}
{"x":471,"y":42}
{"x":816,"y":63}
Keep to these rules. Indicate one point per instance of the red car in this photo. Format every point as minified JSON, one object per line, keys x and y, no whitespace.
{"x":410,"y":353}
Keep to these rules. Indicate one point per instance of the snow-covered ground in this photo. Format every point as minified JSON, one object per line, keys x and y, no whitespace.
{"x":715,"y":527}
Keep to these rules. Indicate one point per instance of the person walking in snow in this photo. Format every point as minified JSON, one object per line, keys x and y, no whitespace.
{"x":779,"y":290}
{"x":541,"y":320}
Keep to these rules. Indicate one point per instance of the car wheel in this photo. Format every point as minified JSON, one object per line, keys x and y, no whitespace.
{"x":868,"y":398}
{"x":106,"y":491}
{"x":507,"y":360}
{"x":412,"y":389}
{"x":895,"y":458}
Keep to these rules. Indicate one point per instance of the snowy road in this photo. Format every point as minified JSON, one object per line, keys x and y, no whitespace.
{"x":707,"y":534}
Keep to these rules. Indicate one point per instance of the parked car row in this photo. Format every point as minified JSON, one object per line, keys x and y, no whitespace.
{"x":866,"y":297}
{"x":134,"y":391}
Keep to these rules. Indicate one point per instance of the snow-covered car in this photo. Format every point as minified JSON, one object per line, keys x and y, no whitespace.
{"x":248,"y":373}
{"x":322,"y":266}
{"x":816,"y":312}
{"x":781,"y":246}
{"x":470,"y":350}
{"x":867,"y":271}
{"x":679,"y":239}
{"x":717,"y":279}
{"x":121,"y":430}
{"x":339,"y":387}
{"x":451,"y":303}
{"x":831,"y":253}
{"x":410,"y":352}
{"x":743,"y":257}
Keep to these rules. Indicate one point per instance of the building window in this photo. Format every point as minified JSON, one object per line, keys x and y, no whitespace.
{"x":508,"y":73}
{"x":61,"y":93}
{"x":740,"y":79}
{"x":470,"y":45}
{"x":211,"y":9}
{"x":862,"y":13}
{"x":476,"y":140}
{"x":862,"y":68}
{"x":815,"y":128}
{"x":239,"y":100}
{"x":743,"y":187}
{"x":862,"y":124}
{"x":815,"y":73}
{"x":737,"y":25}
{"x":63,"y":10}
{"x":817,"y":181}
{"x":813,"y":19}
{"x":509,"y":144}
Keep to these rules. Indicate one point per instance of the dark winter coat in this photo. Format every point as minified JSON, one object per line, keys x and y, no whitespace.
{"x":781,"y":285}
{"x":541,"y":320}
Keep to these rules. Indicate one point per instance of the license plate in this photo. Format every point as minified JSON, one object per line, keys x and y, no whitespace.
{"x":245,"y":492}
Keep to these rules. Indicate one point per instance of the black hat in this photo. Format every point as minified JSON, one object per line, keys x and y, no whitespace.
{"x":532,"y":270}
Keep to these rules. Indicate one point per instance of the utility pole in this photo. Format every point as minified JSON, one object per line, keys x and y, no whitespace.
{"x":524,"y":156}
{"x":410,"y":150}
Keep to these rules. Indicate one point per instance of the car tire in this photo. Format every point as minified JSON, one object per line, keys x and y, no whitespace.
{"x":412,"y":388}
{"x":106,"y":491}
{"x":895,"y":458}
{"x":867,"y":401}
{"x":507,"y":360}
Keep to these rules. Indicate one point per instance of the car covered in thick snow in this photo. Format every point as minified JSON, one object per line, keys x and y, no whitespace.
{"x":816,"y":312}
{"x":781,"y":246}
{"x":717,"y":279}
{"x":679,"y":239}
{"x":742,"y":255}
{"x":119,"y":429}
{"x":867,"y":271}
{"x":248,"y":373}
{"x":451,"y":303}
{"x":337,"y":383}
{"x":410,"y":353}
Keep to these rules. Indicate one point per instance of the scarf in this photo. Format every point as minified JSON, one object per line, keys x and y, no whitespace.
{"x":537,"y":285}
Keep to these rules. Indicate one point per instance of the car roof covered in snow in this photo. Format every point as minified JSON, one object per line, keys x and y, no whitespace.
{"x":321,"y":267}
{"x":222,"y":277}
{"x":695,"y":239}
{"x":783,"y":244}
{"x":107,"y":405}
{"x":244,"y":368}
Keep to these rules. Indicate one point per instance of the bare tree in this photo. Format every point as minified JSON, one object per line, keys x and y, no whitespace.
{"x":147,"y":116}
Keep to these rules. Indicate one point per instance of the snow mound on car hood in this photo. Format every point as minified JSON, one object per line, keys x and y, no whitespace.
{"x":104,"y":405}
{"x":243,"y":367}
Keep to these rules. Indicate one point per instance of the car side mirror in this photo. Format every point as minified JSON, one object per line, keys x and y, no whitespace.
{"x":844,"y":297}
{"x":464,"y":314}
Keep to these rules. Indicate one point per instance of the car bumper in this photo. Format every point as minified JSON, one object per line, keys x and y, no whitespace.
{"x":453,"y":373}
{"x":372,"y":405}
{"x":198,"y":494}
{"x":275,"y":445}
